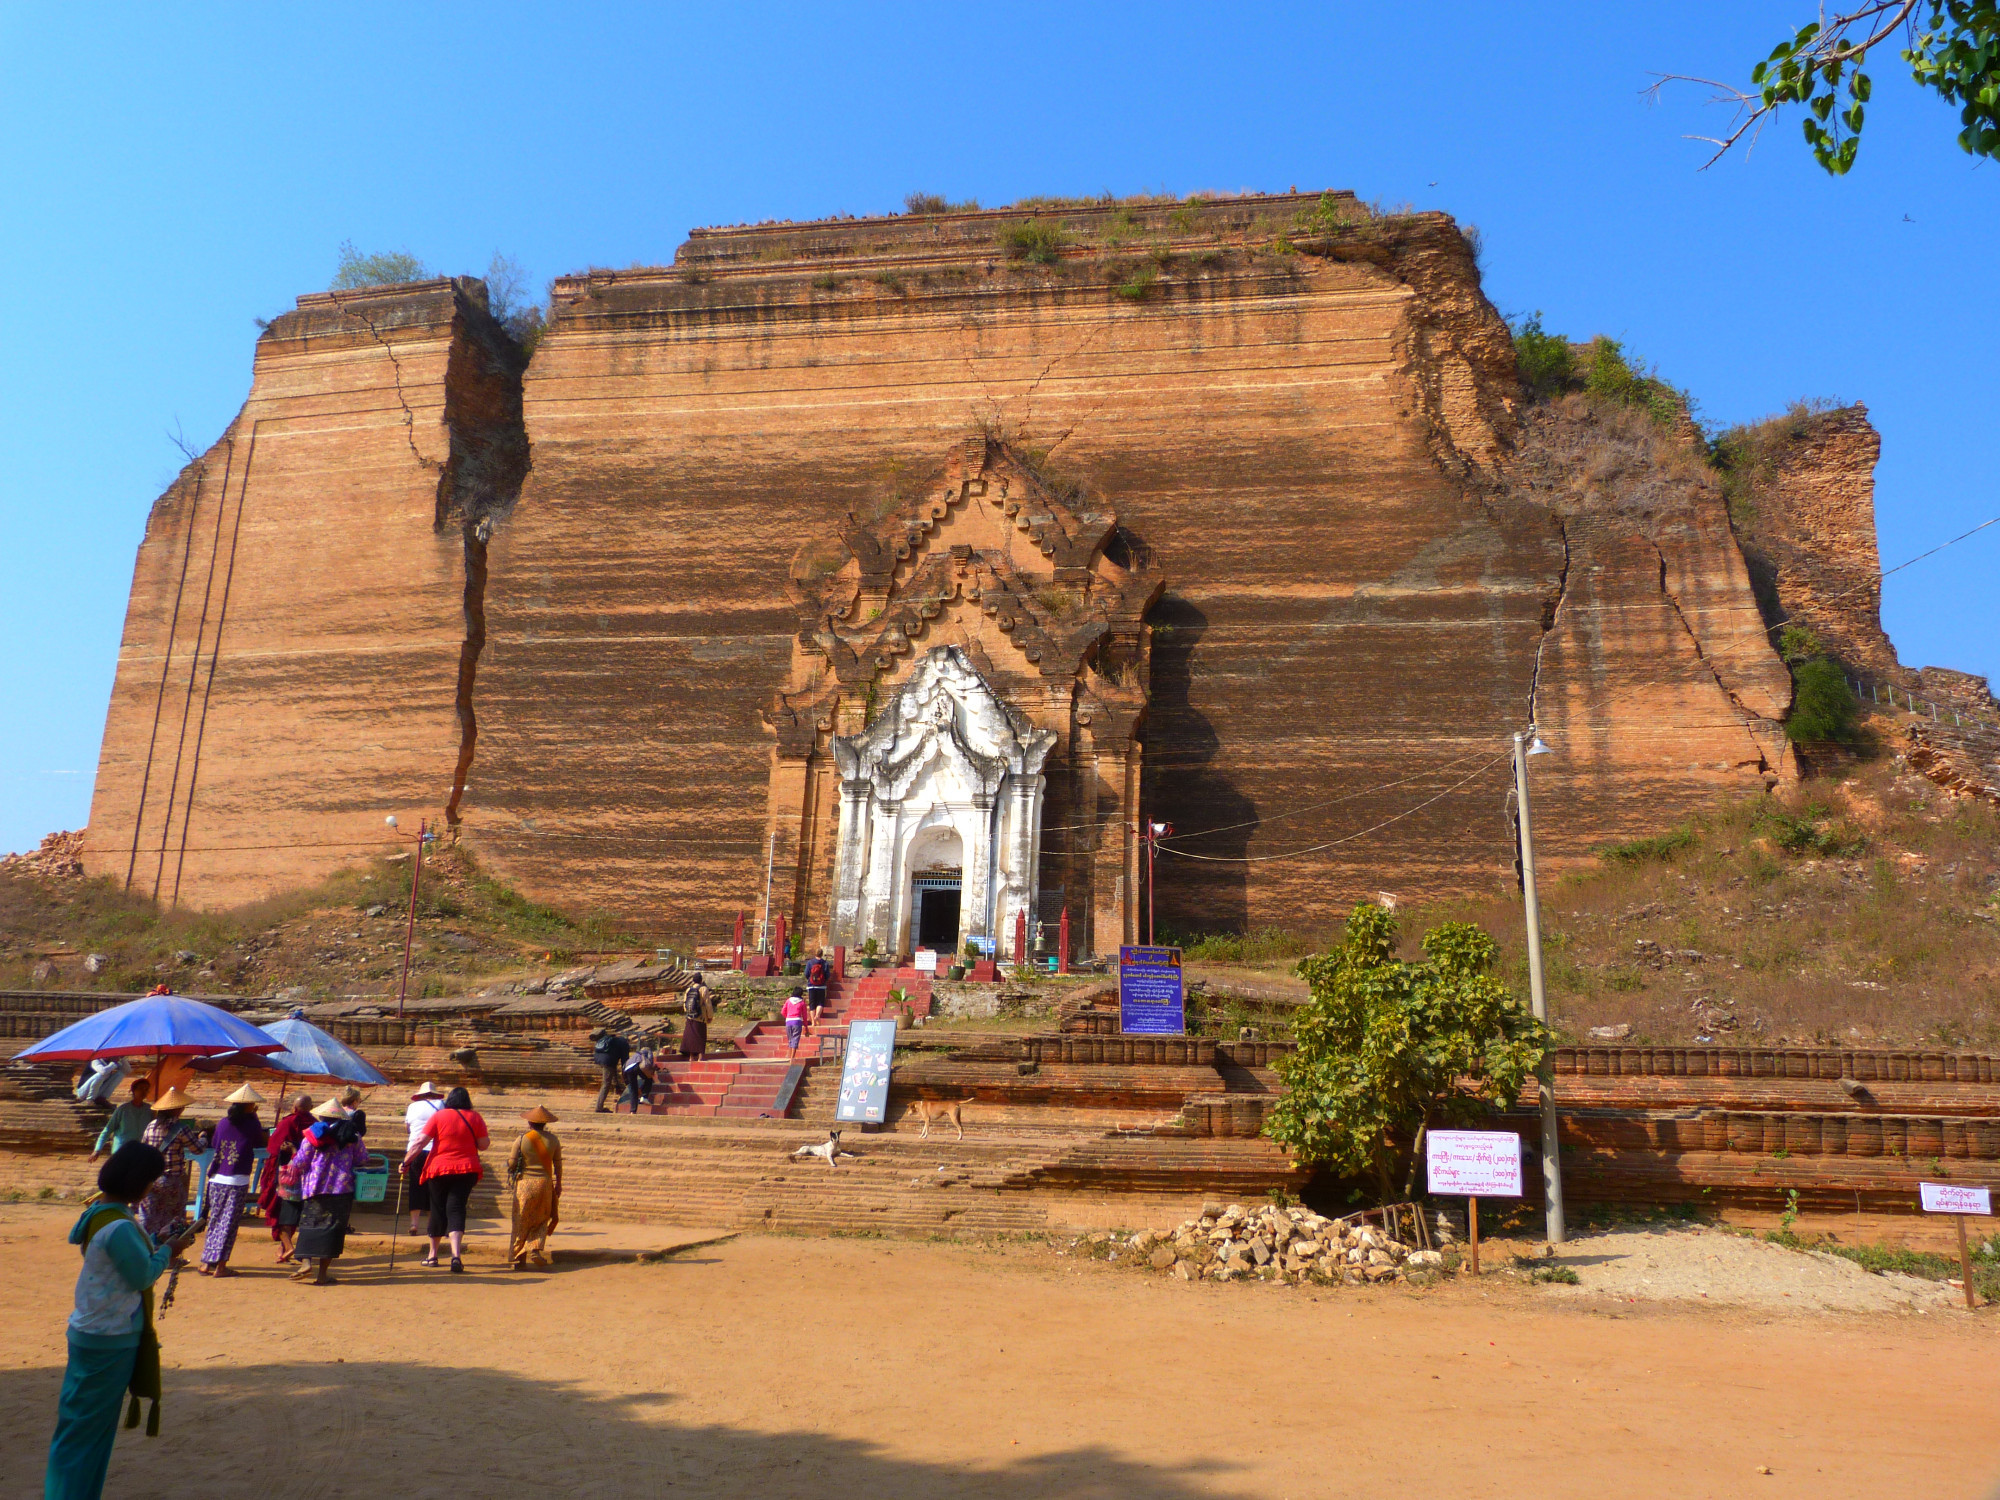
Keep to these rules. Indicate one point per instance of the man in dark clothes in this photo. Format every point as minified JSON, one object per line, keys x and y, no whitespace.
{"x":609,"y":1050}
{"x":819,"y":974}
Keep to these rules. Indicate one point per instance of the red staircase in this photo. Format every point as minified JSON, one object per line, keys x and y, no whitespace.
{"x":752,"y":1078}
{"x":871,"y":993}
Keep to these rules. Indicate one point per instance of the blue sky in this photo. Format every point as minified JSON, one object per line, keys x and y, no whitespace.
{"x":167,"y":174}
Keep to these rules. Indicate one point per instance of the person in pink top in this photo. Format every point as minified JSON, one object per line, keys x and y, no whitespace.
{"x":795,"y":1023}
{"x":455,"y":1135}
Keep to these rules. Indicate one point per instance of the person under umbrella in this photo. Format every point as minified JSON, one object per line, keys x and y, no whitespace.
{"x":280,"y":1201}
{"x":128,"y":1121}
{"x":164,"y":1208}
{"x":239,"y":1135}
{"x":535,"y":1170}
{"x":324,"y":1171}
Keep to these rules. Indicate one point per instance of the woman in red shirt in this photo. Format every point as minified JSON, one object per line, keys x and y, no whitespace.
{"x":454,"y":1136}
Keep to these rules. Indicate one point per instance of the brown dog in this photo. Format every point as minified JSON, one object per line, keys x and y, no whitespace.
{"x":940,"y":1110}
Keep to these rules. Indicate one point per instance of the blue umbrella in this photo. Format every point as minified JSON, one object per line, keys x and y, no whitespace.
{"x":154,"y":1025}
{"x":309,"y":1050}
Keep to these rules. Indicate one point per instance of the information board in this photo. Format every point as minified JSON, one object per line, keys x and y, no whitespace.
{"x":1151,"y":996}
{"x":1473,"y":1163}
{"x":864,"y":1081}
{"x":926,"y":961}
{"x":1950,"y":1198}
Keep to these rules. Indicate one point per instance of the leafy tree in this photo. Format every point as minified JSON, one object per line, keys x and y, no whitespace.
{"x":1952,"y":47}
{"x":1823,"y":710}
{"x":507,"y":299}
{"x":1387,"y":1048}
{"x":358,"y":270}
{"x":1544,"y":360}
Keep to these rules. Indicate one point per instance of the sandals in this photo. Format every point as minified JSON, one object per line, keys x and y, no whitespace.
{"x":457,"y":1264}
{"x":429,"y":1260}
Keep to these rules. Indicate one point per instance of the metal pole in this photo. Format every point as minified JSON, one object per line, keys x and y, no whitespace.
{"x":410,"y":932}
{"x":1152,"y":880}
{"x":764,"y":924}
{"x":1537,"y":997}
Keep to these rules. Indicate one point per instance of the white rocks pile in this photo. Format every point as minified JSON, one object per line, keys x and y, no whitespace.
{"x":1269,"y":1243}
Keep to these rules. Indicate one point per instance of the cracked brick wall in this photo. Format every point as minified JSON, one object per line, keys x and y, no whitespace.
{"x":295,"y":643}
{"x":1287,"y":435}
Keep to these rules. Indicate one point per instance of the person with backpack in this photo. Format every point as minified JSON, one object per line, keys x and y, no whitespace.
{"x":795,"y":1023}
{"x":698,"y":1006}
{"x":112,"y":1346}
{"x":609,"y":1050}
{"x":639,"y":1076}
{"x":819,"y":974}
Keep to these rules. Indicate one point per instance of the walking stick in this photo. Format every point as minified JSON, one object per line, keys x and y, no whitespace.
{"x":397,"y":1227}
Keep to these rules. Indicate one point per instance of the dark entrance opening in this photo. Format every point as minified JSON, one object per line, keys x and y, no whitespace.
{"x":937,"y":916}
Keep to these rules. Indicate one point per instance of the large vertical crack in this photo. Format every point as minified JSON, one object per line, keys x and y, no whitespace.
{"x":1748,"y":716}
{"x":478,"y":486}
{"x":1551,"y":613}
{"x":476,"y":534}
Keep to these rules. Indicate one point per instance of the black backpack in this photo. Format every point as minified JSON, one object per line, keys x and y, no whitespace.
{"x":612,"y":1049}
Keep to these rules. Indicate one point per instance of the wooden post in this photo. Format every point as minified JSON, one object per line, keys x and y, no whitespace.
{"x":1965,"y":1263}
{"x":1472,"y":1225}
{"x":1062,"y":949}
{"x":1020,"y":937}
{"x":736,"y":945}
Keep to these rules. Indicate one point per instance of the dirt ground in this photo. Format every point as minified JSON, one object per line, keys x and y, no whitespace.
{"x":776,"y":1367}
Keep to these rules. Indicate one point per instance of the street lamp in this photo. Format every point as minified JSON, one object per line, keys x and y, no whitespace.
{"x":1528,"y":743}
{"x":1151,"y":837}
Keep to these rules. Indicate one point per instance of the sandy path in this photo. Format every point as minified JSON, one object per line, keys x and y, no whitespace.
{"x":777,"y":1367}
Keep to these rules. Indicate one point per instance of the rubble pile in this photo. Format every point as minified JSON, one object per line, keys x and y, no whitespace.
{"x":60,"y":857}
{"x":1280,"y":1244}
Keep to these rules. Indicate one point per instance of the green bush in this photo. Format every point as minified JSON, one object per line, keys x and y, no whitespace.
{"x":1610,"y":376}
{"x":1386,"y":1048}
{"x":1811,"y":831}
{"x":1823,"y":710}
{"x":937,"y":203}
{"x":1662,"y":847}
{"x":357,"y":270}
{"x":1037,"y":240}
{"x":1545,"y":361}
{"x":1139,"y":286}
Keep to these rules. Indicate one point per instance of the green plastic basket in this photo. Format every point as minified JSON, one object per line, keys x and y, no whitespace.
{"x":371,"y":1183}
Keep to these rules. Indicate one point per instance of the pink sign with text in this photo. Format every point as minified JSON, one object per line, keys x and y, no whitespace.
{"x":1949,"y":1198}
{"x":1473,"y":1163}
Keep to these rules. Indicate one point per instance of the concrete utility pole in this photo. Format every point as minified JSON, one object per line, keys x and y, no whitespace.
{"x":1552,"y":1187}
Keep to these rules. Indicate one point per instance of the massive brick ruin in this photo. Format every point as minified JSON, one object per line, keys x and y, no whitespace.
{"x":1227,"y":507}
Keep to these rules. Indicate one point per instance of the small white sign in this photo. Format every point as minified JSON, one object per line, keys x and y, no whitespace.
{"x":927,"y":960}
{"x":1949,"y":1198}
{"x":1473,"y":1163}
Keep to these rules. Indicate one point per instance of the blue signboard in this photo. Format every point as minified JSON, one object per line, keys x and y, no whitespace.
{"x":864,"y":1081}
{"x":1151,"y":997}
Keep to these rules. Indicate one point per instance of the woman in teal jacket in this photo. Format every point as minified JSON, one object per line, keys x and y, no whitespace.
{"x":111,"y":1344}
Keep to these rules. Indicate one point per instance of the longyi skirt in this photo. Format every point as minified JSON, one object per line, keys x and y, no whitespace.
{"x":323,"y":1227}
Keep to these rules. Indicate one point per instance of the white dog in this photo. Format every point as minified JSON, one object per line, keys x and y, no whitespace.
{"x":827,"y":1150}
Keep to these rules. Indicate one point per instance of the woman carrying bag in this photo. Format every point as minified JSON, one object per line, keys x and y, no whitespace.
{"x":454,"y":1136}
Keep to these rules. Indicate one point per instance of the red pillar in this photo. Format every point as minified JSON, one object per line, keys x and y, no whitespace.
{"x":736,"y":945}
{"x":778,"y":942}
{"x":1062,"y":949}
{"x":840,"y":963}
{"x":1020,"y":937}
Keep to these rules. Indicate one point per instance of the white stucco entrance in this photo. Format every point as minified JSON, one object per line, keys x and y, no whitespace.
{"x":944,"y":788}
